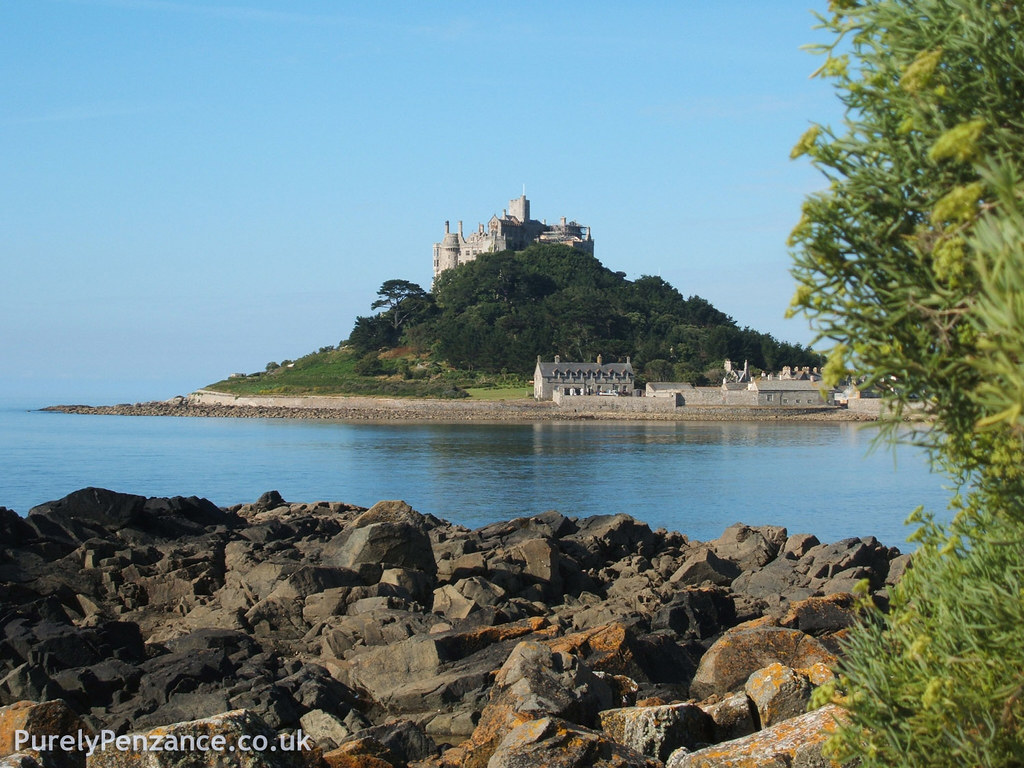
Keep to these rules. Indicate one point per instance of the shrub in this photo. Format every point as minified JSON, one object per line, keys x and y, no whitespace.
{"x":912,"y":263}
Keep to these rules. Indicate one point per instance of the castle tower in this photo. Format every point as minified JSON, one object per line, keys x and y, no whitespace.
{"x":447,"y":252}
{"x":520,"y":208}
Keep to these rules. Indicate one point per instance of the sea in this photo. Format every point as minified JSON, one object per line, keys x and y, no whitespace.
{"x":694,"y":477}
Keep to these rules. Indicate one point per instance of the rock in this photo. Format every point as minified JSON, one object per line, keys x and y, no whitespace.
{"x":416,"y":583}
{"x":380,"y":671}
{"x":19,"y":760}
{"x":619,"y":649}
{"x":897,"y":567}
{"x":660,"y":730}
{"x":451,"y":603}
{"x":390,"y":535}
{"x":41,"y":722}
{"x":403,"y":739}
{"x":360,"y":753}
{"x":734,"y":717}
{"x":705,"y":567}
{"x":535,"y":682}
{"x":239,"y":734}
{"x":821,"y":615}
{"x":554,"y":743}
{"x":778,"y":693}
{"x":798,"y":545}
{"x":696,"y":613}
{"x":326,"y":729}
{"x":775,"y":747}
{"x":749,"y":547}
{"x":740,"y":652}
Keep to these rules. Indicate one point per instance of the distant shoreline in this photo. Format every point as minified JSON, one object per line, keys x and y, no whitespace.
{"x":347,"y":408}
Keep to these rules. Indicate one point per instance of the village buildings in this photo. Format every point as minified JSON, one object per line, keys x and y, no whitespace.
{"x":582,"y":379}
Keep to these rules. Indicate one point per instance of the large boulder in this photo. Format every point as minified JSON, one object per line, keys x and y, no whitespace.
{"x":40,"y":723}
{"x":779,"y":693}
{"x":658,"y":731}
{"x":704,"y":567}
{"x":742,"y":651}
{"x":237,"y":738}
{"x":533,"y":683}
{"x":390,"y":534}
{"x":793,"y":743}
{"x":749,"y":547}
{"x":554,"y":743}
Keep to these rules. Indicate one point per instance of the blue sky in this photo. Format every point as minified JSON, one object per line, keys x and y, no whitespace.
{"x":192,"y":188}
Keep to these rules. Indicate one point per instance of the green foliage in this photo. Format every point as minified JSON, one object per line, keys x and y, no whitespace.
{"x":368,"y":365}
{"x":912,"y":263}
{"x":503,"y":309}
{"x":347,"y":372}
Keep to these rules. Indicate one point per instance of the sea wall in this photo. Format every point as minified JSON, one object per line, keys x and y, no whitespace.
{"x":205,"y":403}
{"x":605,"y":404}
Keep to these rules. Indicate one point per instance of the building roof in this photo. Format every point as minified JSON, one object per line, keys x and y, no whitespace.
{"x":560,"y":369}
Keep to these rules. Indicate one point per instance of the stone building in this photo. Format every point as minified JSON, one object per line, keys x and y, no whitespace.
{"x":600,"y":378}
{"x":512,"y":232}
{"x":789,"y":392}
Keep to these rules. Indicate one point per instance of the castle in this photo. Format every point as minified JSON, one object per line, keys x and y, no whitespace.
{"x":512,"y":232}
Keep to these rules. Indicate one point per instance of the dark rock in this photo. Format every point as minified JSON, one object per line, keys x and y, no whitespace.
{"x":821,"y":615}
{"x":749,"y":547}
{"x":696,"y":613}
{"x":269,"y":500}
{"x":705,"y":567}
{"x":388,"y":535}
{"x":554,"y":743}
{"x":405,"y":740}
{"x":536,"y":682}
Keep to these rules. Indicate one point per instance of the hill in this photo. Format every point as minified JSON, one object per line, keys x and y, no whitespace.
{"x":499,"y":312}
{"x":486,"y":322}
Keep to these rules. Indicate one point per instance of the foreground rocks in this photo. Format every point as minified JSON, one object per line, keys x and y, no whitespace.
{"x":389,"y":638}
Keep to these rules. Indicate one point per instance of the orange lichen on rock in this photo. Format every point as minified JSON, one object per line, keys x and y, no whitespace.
{"x":607,"y":648}
{"x":741,"y":652}
{"x":50,"y":718}
{"x":774,"y":747}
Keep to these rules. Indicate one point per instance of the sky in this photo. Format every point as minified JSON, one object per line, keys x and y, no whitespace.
{"x":192,"y":188}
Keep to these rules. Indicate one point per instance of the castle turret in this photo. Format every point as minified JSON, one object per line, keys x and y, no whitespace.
{"x":520,"y":208}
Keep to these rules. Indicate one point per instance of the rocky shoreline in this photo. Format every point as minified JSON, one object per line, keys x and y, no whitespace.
{"x":390,"y":638}
{"x":392,"y":409}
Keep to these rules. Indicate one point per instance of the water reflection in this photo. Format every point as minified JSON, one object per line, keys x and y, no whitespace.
{"x":694,"y":477}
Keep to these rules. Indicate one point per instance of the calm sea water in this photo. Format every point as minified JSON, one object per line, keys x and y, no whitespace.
{"x":697,"y":478}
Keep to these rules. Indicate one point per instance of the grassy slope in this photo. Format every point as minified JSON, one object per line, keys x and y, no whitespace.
{"x":333,"y":373}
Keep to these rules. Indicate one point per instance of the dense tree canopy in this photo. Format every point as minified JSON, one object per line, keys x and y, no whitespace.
{"x":912,"y":263}
{"x":503,"y":309}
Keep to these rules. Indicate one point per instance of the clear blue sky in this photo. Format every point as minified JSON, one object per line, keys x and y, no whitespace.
{"x":193,"y":187}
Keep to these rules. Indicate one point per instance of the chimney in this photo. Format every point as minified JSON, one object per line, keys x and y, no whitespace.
{"x":460,"y":229}
{"x":558,"y":359}
{"x":600,"y":360}
{"x":446,"y":227}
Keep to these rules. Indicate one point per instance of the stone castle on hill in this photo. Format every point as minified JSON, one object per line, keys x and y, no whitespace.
{"x":512,"y":232}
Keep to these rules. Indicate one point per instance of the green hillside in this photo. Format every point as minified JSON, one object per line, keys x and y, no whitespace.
{"x":480,"y":331}
{"x":499,"y":312}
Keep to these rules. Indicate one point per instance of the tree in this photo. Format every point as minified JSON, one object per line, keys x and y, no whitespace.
{"x":402,"y":300}
{"x":912,"y":264}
